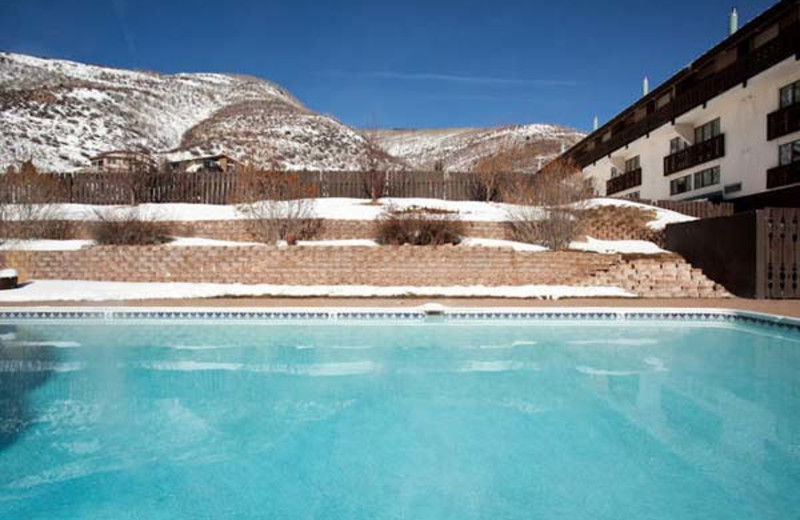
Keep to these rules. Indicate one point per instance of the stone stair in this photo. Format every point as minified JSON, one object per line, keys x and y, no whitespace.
{"x":663,"y":276}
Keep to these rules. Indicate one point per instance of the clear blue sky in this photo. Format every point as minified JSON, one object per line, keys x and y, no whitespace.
{"x":413,"y":64}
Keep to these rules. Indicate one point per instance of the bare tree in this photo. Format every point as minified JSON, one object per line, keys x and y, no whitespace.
{"x":29,"y":204}
{"x":277,"y":205}
{"x":373,"y":163}
{"x":551,"y":207}
{"x":146,"y":183}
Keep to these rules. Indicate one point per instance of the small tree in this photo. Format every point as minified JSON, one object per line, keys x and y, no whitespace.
{"x":277,"y":205}
{"x":146,"y":183}
{"x":373,"y":164}
{"x":29,"y":204}
{"x":551,"y":206}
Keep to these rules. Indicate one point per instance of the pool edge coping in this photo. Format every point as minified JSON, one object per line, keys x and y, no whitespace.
{"x":337,"y":314}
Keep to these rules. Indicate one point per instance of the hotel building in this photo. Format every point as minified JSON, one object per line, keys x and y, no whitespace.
{"x":726,"y":127}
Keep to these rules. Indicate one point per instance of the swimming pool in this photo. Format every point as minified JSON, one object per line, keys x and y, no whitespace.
{"x":226,"y":415}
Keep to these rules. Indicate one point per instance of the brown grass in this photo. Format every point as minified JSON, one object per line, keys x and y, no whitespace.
{"x":130,"y":230}
{"x":418,"y":230}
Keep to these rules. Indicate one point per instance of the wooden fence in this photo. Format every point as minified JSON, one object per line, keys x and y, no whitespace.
{"x":754,"y":254}
{"x":226,"y":188}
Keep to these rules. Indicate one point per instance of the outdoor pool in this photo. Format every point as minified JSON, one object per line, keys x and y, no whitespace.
{"x":370,"y":418}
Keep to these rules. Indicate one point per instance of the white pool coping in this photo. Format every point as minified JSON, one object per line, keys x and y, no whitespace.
{"x":427,"y":311}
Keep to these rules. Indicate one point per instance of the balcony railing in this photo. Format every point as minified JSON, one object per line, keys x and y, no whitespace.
{"x":786,"y":44}
{"x":783,"y":175}
{"x":624,"y":182}
{"x":696,"y":154}
{"x":783,"y":121}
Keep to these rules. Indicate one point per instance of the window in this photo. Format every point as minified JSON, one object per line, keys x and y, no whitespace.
{"x":632,"y":164}
{"x":707,"y":131}
{"x":634,"y":195}
{"x":789,"y":153}
{"x":681,"y":185}
{"x":614,"y":172}
{"x":790,"y":94}
{"x":733,"y":188}
{"x":707,"y":177}
{"x":676,"y":144}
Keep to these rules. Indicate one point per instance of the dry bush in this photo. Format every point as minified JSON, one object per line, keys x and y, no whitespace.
{"x":129,"y":229}
{"x":373,"y":170}
{"x":29,"y":205}
{"x":277,"y":206}
{"x":145,"y":183}
{"x":551,"y":207}
{"x":396,"y":228}
{"x":495,"y":175}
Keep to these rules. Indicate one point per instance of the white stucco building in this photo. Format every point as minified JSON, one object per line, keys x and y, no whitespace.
{"x":727,"y":127}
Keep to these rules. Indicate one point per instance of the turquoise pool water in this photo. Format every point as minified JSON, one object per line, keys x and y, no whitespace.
{"x":500,"y":420}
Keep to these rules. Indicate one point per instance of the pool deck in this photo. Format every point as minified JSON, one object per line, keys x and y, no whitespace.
{"x":780,"y":307}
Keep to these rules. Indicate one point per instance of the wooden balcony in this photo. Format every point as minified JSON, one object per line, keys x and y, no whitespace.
{"x":696,"y":154}
{"x":624,"y":182}
{"x":783,"y":175}
{"x":783,"y":121}
{"x":691,"y":93}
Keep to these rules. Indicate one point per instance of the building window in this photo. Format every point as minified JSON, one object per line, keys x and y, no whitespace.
{"x":614,"y":172}
{"x":634,"y":195}
{"x":632,"y":164}
{"x":790,"y":94}
{"x":733,"y":188}
{"x":681,"y":185}
{"x":707,"y":131}
{"x":707,"y":177}
{"x":789,"y":153}
{"x":676,"y":144}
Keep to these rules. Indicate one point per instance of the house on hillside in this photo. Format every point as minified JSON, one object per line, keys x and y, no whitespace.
{"x":726,"y":127}
{"x":210,"y":163}
{"x":122,"y":161}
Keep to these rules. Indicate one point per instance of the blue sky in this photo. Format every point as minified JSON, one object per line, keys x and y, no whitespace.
{"x":411,"y":64}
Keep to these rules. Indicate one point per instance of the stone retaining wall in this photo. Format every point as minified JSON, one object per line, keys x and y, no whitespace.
{"x":385,"y":266}
{"x":664,"y":276}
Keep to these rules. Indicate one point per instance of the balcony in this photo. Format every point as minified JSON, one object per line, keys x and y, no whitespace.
{"x":696,"y":154}
{"x":783,"y":175}
{"x":783,"y":121}
{"x":624,"y":182}
{"x":691,"y":94}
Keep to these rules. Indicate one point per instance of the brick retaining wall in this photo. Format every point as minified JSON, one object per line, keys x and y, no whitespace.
{"x":663,"y":276}
{"x":385,"y":266}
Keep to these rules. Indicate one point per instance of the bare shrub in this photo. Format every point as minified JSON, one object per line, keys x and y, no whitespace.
{"x":277,"y":206}
{"x":145,"y":183}
{"x":129,"y":228}
{"x":397,"y":227}
{"x":29,"y":205}
{"x":551,"y":207}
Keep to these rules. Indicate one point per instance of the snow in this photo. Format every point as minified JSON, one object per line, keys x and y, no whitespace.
{"x":642,"y":247}
{"x":336,"y":209}
{"x":208,"y":242}
{"x":45,"y":245}
{"x":591,"y":244}
{"x":63,"y":290}
{"x":350,"y":242}
{"x":491,"y":242}
{"x":8,"y":273}
{"x":663,"y":216}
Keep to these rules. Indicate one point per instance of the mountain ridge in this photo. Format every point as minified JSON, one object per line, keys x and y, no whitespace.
{"x":59,"y":113}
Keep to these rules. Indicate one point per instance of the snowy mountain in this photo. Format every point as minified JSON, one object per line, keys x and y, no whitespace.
{"x":60,"y":113}
{"x":460,"y":149}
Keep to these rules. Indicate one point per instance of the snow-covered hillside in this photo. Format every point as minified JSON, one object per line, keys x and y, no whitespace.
{"x":60,"y":113}
{"x":460,"y":149}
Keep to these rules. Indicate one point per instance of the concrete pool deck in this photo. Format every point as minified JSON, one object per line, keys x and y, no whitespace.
{"x":779,"y":307}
